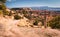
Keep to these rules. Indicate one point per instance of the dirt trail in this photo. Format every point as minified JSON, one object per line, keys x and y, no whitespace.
{"x":9,"y":28}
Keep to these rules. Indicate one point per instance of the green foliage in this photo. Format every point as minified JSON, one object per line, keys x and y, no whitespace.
{"x":3,"y":1}
{"x":24,"y":12}
{"x":5,"y":13}
{"x":36,"y":22}
{"x":10,"y":14}
{"x":17,"y":17}
{"x":55,"y":23}
{"x":29,"y":17}
{"x":1,"y":12}
{"x":2,"y":7}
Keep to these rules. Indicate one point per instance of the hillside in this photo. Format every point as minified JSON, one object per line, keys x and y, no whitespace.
{"x":10,"y":28}
{"x":29,"y":22}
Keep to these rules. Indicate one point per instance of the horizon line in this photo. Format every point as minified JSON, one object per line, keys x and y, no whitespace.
{"x":33,"y":6}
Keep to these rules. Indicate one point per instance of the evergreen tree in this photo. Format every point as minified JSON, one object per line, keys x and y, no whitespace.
{"x":3,"y":1}
{"x":55,"y":22}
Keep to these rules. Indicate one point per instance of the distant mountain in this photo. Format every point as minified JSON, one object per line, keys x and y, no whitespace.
{"x":39,"y":8}
{"x":46,"y":8}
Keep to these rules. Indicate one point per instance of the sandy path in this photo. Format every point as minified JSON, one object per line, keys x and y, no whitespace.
{"x":9,"y":28}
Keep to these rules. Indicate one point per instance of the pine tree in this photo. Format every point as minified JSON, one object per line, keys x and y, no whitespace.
{"x":55,"y":22}
{"x":3,"y":1}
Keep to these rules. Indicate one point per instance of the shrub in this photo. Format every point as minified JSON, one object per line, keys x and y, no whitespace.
{"x":35,"y":23}
{"x":55,"y":22}
{"x":3,"y":1}
{"x":1,"y":12}
{"x":2,"y":7}
{"x":17,"y":17}
{"x":10,"y":14}
{"x":5,"y":13}
{"x":29,"y":17}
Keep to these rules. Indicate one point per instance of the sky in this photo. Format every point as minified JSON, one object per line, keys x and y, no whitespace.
{"x":32,"y":3}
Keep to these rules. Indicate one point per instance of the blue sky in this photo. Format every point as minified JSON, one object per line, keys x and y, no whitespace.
{"x":32,"y":3}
